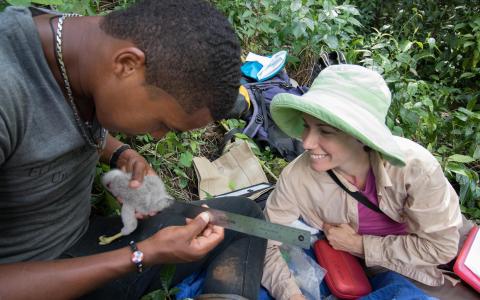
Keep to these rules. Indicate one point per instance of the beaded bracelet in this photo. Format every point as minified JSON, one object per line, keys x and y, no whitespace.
{"x":137,"y":256}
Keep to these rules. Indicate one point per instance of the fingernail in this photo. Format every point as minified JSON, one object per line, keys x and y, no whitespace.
{"x":205,"y":216}
{"x":134,"y":183}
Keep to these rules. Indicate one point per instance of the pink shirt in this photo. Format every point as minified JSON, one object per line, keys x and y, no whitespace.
{"x":371,"y":222}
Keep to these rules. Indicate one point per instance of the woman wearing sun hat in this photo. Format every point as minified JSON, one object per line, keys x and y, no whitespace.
{"x":341,"y":121}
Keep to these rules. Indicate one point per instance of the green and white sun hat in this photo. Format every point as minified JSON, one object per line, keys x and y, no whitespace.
{"x":350,"y":98}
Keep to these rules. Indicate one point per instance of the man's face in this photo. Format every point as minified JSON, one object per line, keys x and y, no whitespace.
{"x":124,"y":102}
{"x":135,"y":108}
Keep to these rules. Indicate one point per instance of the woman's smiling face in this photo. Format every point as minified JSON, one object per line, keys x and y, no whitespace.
{"x":328,"y":147}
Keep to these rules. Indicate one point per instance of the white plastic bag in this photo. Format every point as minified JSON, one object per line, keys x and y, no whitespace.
{"x":308,"y":274}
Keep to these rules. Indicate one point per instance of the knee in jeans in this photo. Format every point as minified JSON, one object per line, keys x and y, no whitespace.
{"x":228,"y":272}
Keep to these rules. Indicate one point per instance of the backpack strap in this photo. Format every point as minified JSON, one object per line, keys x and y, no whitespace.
{"x":261,"y":98}
{"x":357,"y":195}
{"x":256,"y":119}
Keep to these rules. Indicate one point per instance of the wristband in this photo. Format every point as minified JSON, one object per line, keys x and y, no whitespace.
{"x":116,"y":155}
{"x":137,"y":257}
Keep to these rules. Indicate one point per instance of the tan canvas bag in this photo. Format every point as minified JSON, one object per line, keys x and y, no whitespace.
{"x":237,"y":168}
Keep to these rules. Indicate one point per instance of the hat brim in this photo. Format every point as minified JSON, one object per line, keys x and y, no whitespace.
{"x":287,"y":111}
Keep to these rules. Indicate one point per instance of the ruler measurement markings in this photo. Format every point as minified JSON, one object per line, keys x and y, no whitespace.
{"x":248,"y":225}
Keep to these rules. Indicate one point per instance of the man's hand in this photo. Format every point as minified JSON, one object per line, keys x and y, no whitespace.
{"x":129,"y":161}
{"x":178,"y":244}
{"x":132,"y":162}
{"x":343,"y":237}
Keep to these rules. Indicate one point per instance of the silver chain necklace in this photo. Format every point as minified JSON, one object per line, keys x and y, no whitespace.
{"x":98,"y":141}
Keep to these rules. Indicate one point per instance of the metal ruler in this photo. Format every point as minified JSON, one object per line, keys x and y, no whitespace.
{"x":247,"y":225}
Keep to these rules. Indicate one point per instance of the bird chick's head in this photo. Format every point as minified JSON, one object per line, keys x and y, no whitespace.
{"x":115,"y":180}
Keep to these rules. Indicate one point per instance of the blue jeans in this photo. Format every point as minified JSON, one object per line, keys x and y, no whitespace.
{"x":233,"y":267}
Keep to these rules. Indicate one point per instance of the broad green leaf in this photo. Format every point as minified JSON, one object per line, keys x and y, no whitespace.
{"x":194,"y":146}
{"x":242,"y":136}
{"x":405,"y":46}
{"x":48,"y":2}
{"x":299,"y":29}
{"x":180,"y":173}
{"x":378,"y":46}
{"x":332,"y":41}
{"x":412,"y":88}
{"x":274,"y":17}
{"x":264,"y":27}
{"x":295,"y":5}
{"x":247,"y":13}
{"x":476,"y":154}
{"x":183,"y":183}
{"x":468,"y":44}
{"x":461,"y":158}
{"x":349,"y":8}
{"x":461,"y":116}
{"x":155,"y":295}
{"x":457,"y":169}
{"x":354,"y":21}
{"x":293,"y":59}
{"x":428,"y":102}
{"x":19,"y":2}
{"x":166,"y":275}
{"x":310,"y":23}
{"x":186,"y":159}
{"x":467,"y":75}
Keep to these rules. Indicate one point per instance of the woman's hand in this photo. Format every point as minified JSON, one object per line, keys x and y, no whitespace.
{"x":343,"y":237}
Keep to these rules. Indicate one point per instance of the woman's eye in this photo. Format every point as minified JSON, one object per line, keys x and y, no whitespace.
{"x":325,"y":132}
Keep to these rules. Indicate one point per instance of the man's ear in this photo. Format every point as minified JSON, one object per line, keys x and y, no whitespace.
{"x":128,"y":60}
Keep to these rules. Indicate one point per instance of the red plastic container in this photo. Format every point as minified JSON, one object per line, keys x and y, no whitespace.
{"x":460,"y":269}
{"x":345,"y":276}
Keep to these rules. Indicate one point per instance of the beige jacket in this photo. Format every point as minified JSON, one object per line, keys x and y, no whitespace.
{"x":418,"y":194}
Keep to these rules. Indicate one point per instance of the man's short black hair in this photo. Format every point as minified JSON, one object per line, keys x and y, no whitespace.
{"x":191,"y":50}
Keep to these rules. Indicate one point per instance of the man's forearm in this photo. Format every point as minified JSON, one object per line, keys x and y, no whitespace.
{"x":110,"y":146}
{"x":62,"y":279}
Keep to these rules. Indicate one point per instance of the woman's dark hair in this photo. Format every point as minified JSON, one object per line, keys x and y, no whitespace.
{"x":191,"y":50}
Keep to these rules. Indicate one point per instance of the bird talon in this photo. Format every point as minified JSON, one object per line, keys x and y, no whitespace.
{"x":105,"y":240}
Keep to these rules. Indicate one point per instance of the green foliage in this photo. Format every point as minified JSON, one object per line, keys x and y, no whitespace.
{"x":165,"y":293}
{"x":175,"y":152}
{"x":30,"y":2}
{"x":303,"y":27}
{"x":429,"y":54}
